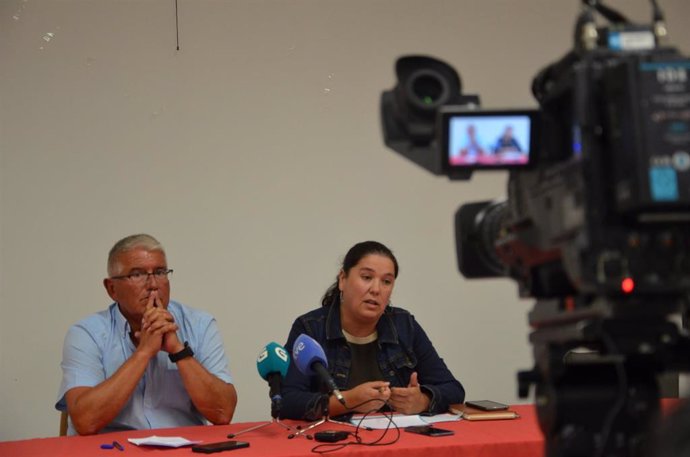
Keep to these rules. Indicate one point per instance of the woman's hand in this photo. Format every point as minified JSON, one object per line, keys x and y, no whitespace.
{"x":367,"y":396}
{"x":410,"y":399}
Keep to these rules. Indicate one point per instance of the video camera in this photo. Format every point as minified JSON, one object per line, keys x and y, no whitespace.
{"x":596,"y":225}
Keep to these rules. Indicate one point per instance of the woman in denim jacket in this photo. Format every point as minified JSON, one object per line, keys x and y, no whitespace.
{"x":376,"y":353}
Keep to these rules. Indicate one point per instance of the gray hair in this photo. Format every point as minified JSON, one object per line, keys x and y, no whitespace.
{"x":141,"y":240}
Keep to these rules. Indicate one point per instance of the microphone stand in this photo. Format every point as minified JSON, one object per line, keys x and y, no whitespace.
{"x":275,"y":419}
{"x":325,"y":419}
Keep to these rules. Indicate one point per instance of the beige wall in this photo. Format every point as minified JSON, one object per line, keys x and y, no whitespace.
{"x":254,"y":154}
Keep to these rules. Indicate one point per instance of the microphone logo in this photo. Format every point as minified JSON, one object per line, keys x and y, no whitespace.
{"x":298,"y":348}
{"x":280,"y":352}
{"x":262,"y":356}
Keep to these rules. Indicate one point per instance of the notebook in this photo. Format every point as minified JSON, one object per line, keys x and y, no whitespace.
{"x":474,"y":414}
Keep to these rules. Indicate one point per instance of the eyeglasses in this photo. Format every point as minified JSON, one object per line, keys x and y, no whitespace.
{"x":140,"y":277}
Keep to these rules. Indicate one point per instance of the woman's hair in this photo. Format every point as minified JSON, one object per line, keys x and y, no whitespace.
{"x":352,"y":258}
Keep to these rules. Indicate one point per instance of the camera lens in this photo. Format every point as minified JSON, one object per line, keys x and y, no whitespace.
{"x":427,"y":89}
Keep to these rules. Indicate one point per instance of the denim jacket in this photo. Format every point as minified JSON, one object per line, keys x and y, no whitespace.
{"x":403,"y":348}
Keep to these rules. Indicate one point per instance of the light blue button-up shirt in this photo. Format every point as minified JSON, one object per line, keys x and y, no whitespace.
{"x":98,"y":345}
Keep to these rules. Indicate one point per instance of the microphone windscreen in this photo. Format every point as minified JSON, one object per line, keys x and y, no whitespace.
{"x":305,"y":352}
{"x":273,"y":359}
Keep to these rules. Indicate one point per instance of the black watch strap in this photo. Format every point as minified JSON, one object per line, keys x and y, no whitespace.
{"x":183,"y":354}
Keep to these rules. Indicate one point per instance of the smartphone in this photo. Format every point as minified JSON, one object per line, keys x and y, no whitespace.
{"x":487,"y":405}
{"x":331,"y":436}
{"x":210,"y":448}
{"x":428,"y":430}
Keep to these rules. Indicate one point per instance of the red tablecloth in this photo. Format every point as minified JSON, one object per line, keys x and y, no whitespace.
{"x":518,"y":437}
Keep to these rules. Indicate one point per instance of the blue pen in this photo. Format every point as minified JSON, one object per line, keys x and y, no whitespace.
{"x":107,"y":446}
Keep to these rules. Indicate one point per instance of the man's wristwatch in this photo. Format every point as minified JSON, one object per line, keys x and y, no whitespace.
{"x":183,"y":354}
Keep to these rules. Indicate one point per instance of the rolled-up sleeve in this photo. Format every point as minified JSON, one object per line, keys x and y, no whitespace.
{"x":82,"y":364}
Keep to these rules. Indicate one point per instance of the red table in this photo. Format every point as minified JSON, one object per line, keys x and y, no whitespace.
{"x":517,"y":438}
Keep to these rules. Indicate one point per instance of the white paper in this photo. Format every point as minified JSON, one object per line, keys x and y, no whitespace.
{"x":167,"y":441}
{"x":401,"y":420}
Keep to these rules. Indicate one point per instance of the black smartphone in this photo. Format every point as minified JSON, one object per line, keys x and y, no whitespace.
{"x":210,"y":448}
{"x":487,"y":405}
{"x":331,"y":436}
{"x":428,"y":430}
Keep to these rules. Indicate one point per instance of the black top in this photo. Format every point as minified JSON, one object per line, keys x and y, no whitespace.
{"x":365,"y":365}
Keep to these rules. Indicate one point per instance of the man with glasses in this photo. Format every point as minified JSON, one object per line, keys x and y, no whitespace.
{"x":146,"y":361}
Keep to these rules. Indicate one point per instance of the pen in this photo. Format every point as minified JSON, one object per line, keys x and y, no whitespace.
{"x":107,"y":446}
{"x":118,"y":446}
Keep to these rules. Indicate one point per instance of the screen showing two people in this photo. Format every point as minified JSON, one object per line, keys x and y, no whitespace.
{"x":489,"y":140}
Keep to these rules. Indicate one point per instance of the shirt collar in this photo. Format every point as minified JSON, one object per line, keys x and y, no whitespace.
{"x":121,"y":325}
{"x":385,"y":328}
{"x":360,"y":340}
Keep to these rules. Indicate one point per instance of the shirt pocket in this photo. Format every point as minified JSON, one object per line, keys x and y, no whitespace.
{"x":400,"y":366}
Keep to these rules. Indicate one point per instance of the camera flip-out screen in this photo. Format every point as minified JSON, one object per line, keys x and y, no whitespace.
{"x":487,"y":139}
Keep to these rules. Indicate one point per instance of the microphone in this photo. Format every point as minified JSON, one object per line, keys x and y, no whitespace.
{"x":310,"y":359}
{"x":272,"y":365}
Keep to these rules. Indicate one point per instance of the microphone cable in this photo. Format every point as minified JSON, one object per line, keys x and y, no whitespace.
{"x":358,"y":441}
